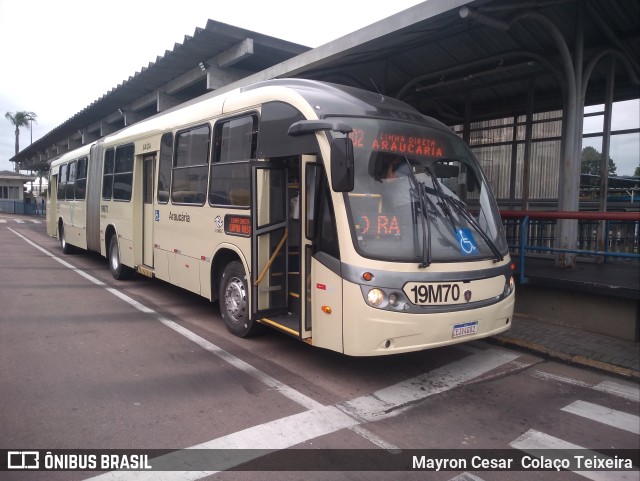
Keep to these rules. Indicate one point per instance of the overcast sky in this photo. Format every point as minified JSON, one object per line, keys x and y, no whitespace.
{"x":58,"y":57}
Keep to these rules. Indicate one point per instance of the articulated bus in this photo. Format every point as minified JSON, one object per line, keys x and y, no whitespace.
{"x":342,"y":217}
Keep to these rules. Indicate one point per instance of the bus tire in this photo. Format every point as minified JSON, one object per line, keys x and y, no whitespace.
{"x":118,"y":270}
{"x":234,"y":301}
{"x":64,"y":245}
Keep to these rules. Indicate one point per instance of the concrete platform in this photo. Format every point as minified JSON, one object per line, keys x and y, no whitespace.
{"x":574,"y":346}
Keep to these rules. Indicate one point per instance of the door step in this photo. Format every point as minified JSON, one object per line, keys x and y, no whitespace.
{"x":145,"y":271}
{"x":286,"y":323}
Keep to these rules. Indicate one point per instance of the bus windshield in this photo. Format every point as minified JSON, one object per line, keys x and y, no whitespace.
{"x":420,"y":196}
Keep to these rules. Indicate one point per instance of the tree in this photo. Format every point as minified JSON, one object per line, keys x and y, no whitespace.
{"x":20,"y":119}
{"x":637,"y":172}
{"x":591,"y":159}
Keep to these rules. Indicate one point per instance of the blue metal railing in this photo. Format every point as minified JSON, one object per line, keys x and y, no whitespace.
{"x":534,"y":231}
{"x":24,"y":208}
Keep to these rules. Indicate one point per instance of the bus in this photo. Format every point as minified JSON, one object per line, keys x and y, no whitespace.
{"x":339,"y":216}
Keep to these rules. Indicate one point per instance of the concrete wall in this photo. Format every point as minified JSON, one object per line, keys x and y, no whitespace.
{"x":613,"y":316}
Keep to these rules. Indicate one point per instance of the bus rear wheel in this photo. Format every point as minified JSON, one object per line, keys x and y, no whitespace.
{"x":64,"y":245}
{"x":118,"y":270}
{"x":234,"y":301}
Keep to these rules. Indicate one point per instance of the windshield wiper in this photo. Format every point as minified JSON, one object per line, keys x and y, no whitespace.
{"x":419,"y":189}
{"x":444,"y":204}
{"x":449,"y":201}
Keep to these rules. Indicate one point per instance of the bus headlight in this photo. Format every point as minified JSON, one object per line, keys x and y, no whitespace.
{"x":375,"y":297}
{"x":509,"y":286}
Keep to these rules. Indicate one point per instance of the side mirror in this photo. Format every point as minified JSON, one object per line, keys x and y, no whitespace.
{"x":342,"y":162}
{"x":342,"y":159}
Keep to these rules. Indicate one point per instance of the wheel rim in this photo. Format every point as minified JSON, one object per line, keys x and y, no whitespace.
{"x":63,"y":242}
{"x":235,"y":300}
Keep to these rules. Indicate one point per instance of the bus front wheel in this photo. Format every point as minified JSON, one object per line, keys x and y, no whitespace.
{"x":234,"y":301}
{"x":118,"y":270}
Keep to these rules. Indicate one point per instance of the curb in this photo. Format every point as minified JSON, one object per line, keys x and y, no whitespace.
{"x":578,"y":360}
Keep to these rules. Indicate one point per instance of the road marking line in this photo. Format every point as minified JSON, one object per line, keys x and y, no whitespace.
{"x":265,"y":438}
{"x":626,"y":391}
{"x":3,"y":221}
{"x":269,"y":381}
{"x":292,"y":430}
{"x":601,"y":414}
{"x":245,"y":367}
{"x":375,"y":439}
{"x":533,"y":441}
{"x":59,"y":260}
{"x":554,"y":377}
{"x":262,"y":377}
{"x":385,"y":401}
{"x":632,"y":393}
{"x":466,"y":477}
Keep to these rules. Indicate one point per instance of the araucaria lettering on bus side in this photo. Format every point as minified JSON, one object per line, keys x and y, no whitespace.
{"x":182,"y":217}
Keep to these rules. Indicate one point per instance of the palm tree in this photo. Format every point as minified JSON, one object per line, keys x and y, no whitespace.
{"x":20,"y":119}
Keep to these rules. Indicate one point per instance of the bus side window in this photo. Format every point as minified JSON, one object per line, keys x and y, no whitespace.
{"x":71,"y":181}
{"x":62,"y":182}
{"x":235,"y":144}
{"x":327,"y":235}
{"x":321,"y":224}
{"x":190,"y":169}
{"x":123,"y":173}
{"x":107,"y":176}
{"x":81,"y":179}
{"x":311,"y":189}
{"x":164,"y":169}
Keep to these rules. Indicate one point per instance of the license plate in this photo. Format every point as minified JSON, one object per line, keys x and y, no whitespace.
{"x":465,"y":329}
{"x":435,"y":293}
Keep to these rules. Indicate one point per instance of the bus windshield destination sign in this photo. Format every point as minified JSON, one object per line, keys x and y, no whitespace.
{"x":402,"y":144}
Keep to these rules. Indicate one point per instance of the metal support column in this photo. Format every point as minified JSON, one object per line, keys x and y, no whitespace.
{"x":568,"y":192}
{"x":528,"y":134}
{"x":466,"y":132}
{"x":606,"y":147}
{"x":514,"y":162}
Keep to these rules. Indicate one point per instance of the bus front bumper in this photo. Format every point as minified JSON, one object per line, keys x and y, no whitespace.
{"x":373,"y":332}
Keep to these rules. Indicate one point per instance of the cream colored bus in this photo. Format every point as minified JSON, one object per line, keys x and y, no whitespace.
{"x":339,"y":216}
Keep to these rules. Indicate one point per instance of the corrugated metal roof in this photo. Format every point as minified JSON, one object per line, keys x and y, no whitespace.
{"x":438,"y":63}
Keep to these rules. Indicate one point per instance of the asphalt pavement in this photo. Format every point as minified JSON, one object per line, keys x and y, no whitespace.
{"x":562,"y":343}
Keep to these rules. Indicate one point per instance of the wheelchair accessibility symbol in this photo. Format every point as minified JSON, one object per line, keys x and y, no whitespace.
{"x":466,"y":242}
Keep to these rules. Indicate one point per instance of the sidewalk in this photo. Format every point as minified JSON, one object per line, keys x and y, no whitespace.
{"x":573,"y":346}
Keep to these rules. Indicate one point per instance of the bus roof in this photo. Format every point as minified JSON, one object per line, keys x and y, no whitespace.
{"x":331,"y":99}
{"x":326,"y":99}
